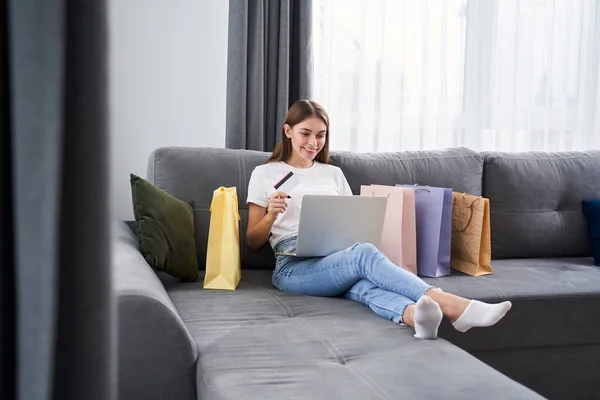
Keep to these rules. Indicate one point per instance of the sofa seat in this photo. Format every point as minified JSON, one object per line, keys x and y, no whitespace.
{"x":553,"y":329}
{"x":258,"y":342}
{"x":556,"y":302}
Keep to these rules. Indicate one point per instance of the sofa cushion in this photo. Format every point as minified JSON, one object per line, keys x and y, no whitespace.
{"x":259,"y":343}
{"x":194,"y":173}
{"x":535,"y":201}
{"x":165,"y":230}
{"x":556,"y":302}
{"x":591,"y":210}
{"x":460,"y":169}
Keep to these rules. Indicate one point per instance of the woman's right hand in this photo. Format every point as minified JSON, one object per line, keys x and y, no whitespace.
{"x":277,"y":204}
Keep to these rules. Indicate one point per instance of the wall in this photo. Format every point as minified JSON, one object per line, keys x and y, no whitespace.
{"x":168,"y":66}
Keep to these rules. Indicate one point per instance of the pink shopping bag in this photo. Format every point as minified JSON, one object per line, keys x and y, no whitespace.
{"x":399,"y":236}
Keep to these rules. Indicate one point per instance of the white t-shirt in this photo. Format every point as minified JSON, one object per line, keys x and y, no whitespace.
{"x":318,"y":179}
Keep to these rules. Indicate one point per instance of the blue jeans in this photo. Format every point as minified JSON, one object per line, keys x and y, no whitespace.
{"x":360,"y":273}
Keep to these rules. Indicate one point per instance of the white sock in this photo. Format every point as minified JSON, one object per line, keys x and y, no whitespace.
{"x":479,"y":314}
{"x":428,"y":316}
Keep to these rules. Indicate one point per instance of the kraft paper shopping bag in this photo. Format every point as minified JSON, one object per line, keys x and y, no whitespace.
{"x":223,"y":269}
{"x":399,"y":235}
{"x":471,"y":240}
{"x":433,"y":210}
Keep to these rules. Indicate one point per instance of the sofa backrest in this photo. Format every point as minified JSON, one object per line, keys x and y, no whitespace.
{"x":535,"y":202}
{"x":194,"y":173}
{"x":459,"y":168}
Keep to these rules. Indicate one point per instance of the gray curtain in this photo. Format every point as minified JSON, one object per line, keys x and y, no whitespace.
{"x":269,"y":67}
{"x":56,"y":310}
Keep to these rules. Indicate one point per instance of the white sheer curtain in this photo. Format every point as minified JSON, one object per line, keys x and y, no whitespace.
{"x":508,"y":75}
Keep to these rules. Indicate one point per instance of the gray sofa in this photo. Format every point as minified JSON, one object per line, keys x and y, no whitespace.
{"x":178,"y":341}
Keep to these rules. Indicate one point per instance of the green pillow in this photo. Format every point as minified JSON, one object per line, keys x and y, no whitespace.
{"x":165,"y":230}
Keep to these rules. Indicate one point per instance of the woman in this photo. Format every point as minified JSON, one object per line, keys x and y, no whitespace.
{"x":360,"y":273}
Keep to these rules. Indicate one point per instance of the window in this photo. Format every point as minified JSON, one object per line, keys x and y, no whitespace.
{"x":504,"y":75}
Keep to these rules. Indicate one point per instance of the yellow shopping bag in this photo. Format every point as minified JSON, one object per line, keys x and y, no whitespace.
{"x":223,"y":268}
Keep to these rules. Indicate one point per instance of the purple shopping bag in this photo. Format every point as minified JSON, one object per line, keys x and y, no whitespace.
{"x":433,"y":209}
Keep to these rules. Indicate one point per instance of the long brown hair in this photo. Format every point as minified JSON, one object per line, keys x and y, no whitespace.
{"x":297,"y":113}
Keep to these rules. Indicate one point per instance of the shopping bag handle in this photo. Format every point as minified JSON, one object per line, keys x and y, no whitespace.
{"x":419,"y":187}
{"x":470,"y":217}
{"x":387,"y":196}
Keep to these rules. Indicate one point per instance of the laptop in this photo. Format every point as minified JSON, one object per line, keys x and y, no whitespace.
{"x":330,"y":223}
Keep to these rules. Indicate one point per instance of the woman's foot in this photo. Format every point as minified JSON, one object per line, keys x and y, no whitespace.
{"x":428,"y":316}
{"x":466,"y":314}
{"x":479,"y":314}
{"x":425,"y":317}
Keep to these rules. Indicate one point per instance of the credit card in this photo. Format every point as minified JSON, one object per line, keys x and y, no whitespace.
{"x":287,"y":183}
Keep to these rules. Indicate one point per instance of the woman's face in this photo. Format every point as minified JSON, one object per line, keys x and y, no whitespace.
{"x":308,"y":137}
